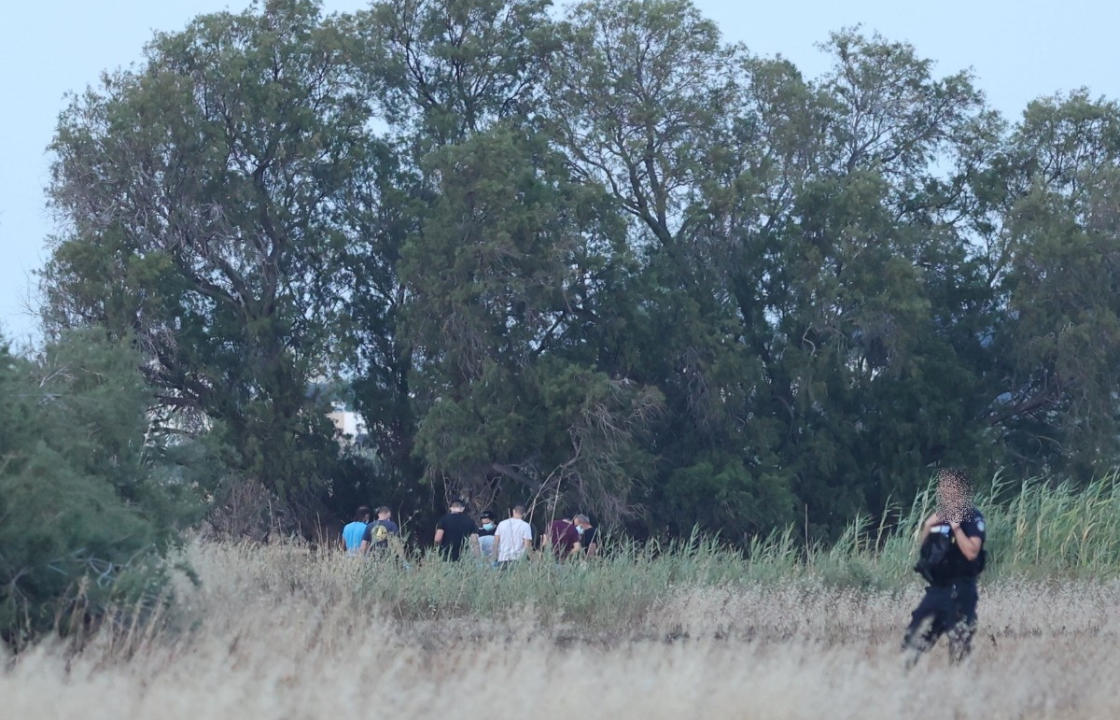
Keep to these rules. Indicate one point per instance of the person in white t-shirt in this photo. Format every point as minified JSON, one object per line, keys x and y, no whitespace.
{"x":513,"y":538}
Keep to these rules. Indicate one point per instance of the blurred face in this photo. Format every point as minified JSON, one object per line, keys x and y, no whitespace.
{"x":384,"y":515}
{"x":953,"y":497}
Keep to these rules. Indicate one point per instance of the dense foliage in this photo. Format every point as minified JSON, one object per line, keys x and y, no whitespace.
{"x":597,"y":257}
{"x":87,"y":509}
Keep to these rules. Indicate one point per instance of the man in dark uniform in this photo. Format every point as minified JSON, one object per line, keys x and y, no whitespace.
{"x":951,"y":557}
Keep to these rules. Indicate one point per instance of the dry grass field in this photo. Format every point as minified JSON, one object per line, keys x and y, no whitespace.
{"x":277,"y":632}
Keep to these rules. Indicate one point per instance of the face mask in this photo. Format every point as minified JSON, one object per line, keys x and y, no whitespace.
{"x":579,"y":529}
{"x":488,"y":526}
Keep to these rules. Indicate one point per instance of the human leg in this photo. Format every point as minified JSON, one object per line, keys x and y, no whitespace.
{"x":927,"y":623}
{"x":960,"y":633}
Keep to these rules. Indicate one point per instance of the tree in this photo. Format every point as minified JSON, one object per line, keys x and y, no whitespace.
{"x":446,"y":69}
{"x":502,"y":273}
{"x":1058,"y":341}
{"x":87,"y":505}
{"x":206,"y":197}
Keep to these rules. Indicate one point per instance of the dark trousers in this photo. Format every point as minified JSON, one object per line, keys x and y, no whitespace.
{"x":944,"y":610}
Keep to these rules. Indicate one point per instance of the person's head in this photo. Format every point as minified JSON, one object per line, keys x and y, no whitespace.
{"x":487,"y":520}
{"x":458,"y":506}
{"x":518,"y":511}
{"x":362,"y":514}
{"x":384,"y":513}
{"x":582,"y":520}
{"x":954,"y":495}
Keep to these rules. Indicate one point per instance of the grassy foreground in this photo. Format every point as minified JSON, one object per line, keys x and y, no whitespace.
{"x":283,"y":631}
{"x":277,"y":632}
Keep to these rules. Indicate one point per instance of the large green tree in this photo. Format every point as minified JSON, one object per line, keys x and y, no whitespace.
{"x":207,"y":199}
{"x":598,"y":256}
{"x":1056,"y":259}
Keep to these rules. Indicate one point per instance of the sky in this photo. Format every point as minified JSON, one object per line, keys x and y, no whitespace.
{"x":1018,"y":50}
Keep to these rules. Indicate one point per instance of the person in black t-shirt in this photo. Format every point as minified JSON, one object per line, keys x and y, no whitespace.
{"x":379,"y":533}
{"x":453,"y":530}
{"x":950,"y":559}
{"x":588,"y":543}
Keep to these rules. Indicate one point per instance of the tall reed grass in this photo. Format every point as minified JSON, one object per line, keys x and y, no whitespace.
{"x":282,"y":632}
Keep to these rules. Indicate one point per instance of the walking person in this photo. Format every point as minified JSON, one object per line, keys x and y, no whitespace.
{"x":454,"y":530}
{"x":485,"y":532}
{"x":950,"y":559}
{"x":588,"y":543}
{"x":562,"y":537}
{"x":350,"y":539}
{"x":513,"y":538}
{"x":380,"y":532}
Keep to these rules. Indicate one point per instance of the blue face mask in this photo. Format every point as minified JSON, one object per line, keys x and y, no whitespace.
{"x":488,"y":526}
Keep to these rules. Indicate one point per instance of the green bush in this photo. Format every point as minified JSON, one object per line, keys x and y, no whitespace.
{"x":85,"y":511}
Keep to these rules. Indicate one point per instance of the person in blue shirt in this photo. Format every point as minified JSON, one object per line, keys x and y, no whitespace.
{"x":351,"y":538}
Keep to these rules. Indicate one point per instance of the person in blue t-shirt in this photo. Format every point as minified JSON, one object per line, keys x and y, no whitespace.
{"x":351,"y":538}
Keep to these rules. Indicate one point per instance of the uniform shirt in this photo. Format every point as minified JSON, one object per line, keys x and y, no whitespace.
{"x":352,"y":536}
{"x":948,"y":560}
{"x":377,"y":533}
{"x":511,"y":536}
{"x":457,"y":527}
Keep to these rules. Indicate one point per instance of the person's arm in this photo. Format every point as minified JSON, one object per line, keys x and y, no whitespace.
{"x":364,"y":547}
{"x":591,"y":537}
{"x":968,"y":545}
{"x":927,"y":527}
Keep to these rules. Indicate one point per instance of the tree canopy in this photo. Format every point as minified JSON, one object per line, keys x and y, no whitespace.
{"x":591,"y":256}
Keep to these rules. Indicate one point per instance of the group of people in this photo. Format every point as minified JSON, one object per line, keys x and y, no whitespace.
{"x":458,"y":535}
{"x":950,"y":558}
{"x":363,"y":534}
{"x":511,"y":540}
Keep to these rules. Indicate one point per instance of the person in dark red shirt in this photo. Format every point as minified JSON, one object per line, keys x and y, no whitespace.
{"x":562,"y":537}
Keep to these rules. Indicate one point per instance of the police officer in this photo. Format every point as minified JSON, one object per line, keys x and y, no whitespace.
{"x":951,"y":557}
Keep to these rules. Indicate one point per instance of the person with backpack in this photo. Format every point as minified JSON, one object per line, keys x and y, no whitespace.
{"x":950,"y":559}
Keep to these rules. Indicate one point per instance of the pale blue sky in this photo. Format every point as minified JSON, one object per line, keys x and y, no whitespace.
{"x":1018,"y":49}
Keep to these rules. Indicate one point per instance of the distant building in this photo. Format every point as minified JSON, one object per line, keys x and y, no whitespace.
{"x":349,"y":425}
